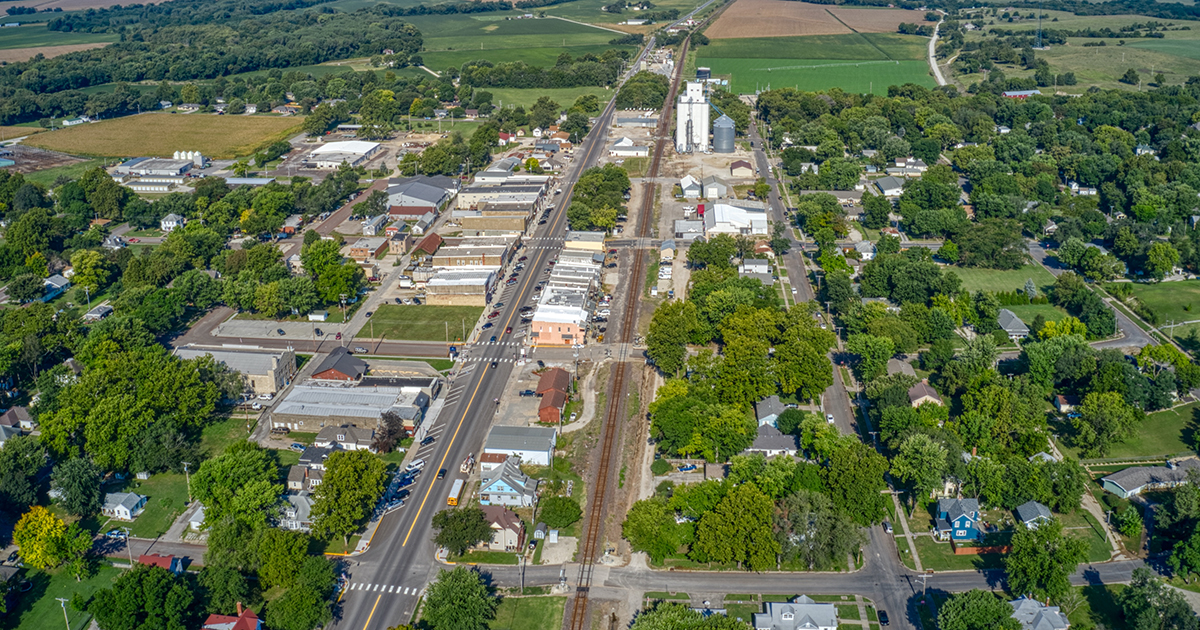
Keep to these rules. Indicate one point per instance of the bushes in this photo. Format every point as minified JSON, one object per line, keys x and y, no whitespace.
{"x":660,"y":467}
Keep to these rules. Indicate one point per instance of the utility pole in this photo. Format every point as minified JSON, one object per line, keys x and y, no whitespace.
{"x":127,"y":547}
{"x":64,"y":607}
{"x":187,"y":475}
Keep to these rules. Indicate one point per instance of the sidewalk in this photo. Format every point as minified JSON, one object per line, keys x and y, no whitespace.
{"x":912,"y":545}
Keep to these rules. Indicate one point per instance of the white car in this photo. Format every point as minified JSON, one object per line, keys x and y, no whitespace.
{"x":829,"y":418}
{"x":416,"y":464}
{"x":267,"y":396}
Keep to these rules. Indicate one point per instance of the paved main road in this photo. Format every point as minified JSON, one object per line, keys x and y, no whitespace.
{"x":386,"y":580}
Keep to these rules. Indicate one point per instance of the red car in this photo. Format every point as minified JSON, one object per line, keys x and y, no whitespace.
{"x":494,"y":315}
{"x":508,"y":330}
{"x":523,"y":259}
{"x":134,"y":240}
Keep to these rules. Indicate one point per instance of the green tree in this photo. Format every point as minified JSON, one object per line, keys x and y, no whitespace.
{"x":1185,"y":556}
{"x":1131,"y":77}
{"x":675,"y":616}
{"x":221,"y":588}
{"x":976,"y":610}
{"x":854,"y":477}
{"x":672,"y":326}
{"x":459,"y":600}
{"x":280,"y":555}
{"x":353,"y":482}
{"x":300,"y":608}
{"x":559,"y":512}
{"x":650,"y":527}
{"x":460,"y":529}
{"x":1043,"y":559}
{"x":79,"y":481}
{"x":873,"y":353}
{"x":739,"y":531}
{"x":1149,"y":604}
{"x":91,"y":270}
{"x":240,"y":482}
{"x":811,"y":531}
{"x":26,"y":288}
{"x":1161,"y":259}
{"x":1104,"y":420}
{"x":144,"y":597}
{"x":38,"y":536}
{"x":921,"y":463}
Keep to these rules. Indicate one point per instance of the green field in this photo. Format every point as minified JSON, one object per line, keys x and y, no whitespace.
{"x":1172,"y":301}
{"x":38,"y":609}
{"x":1188,"y":48}
{"x":35,"y":35}
{"x":979,"y":279}
{"x":529,"y":613}
{"x":858,"y":46}
{"x":751,"y":75}
{"x":1162,"y":433}
{"x":564,"y":96}
{"x":425,"y":322}
{"x":1029,"y":312}
{"x":491,"y":31}
{"x":167,"y":494}
{"x":439,"y":61}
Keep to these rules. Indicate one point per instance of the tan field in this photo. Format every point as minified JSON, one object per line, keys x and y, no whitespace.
{"x":66,"y":5}
{"x":876,"y":20}
{"x":11,"y":55}
{"x":783,"y":18}
{"x":160,"y":135}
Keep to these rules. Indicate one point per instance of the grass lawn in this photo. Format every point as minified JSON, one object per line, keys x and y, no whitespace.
{"x":1029,"y":312}
{"x":1099,"y":610}
{"x":425,"y":322}
{"x":1162,"y":434}
{"x":439,"y":61}
{"x":491,"y":31}
{"x":144,"y":233}
{"x":487,"y":557}
{"x":636,"y":167}
{"x":217,"y":437}
{"x":858,"y":76}
{"x":287,"y":457}
{"x":563,"y":96}
{"x":979,"y":279}
{"x":158,"y":134}
{"x":742,"y":612}
{"x":336,"y":546}
{"x":167,"y":495}
{"x":1171,"y":301}
{"x":940,"y":557}
{"x":529,"y":613}
{"x":34,"y":35}
{"x":437,"y":364}
{"x":39,"y":610}
{"x":47,"y":177}
{"x":856,"y":46}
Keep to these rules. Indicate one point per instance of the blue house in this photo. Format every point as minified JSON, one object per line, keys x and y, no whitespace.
{"x":958,"y":519}
{"x":507,"y":485}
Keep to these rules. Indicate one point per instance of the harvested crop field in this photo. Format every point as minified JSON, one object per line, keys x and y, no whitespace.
{"x":12,"y":55}
{"x":158,"y":134}
{"x":783,"y":18}
{"x":31,"y":160}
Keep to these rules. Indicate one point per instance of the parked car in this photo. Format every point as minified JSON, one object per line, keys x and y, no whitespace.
{"x":428,"y":440}
{"x":360,"y":349}
{"x":416,"y":464}
{"x":266,"y":396}
{"x":318,"y":332}
{"x":115,"y":534}
{"x":573,"y":416}
{"x":688,"y":468}
{"x":338,"y":336}
{"x":829,"y":418}
{"x":486,"y":325}
{"x":883,"y":618}
{"x":296,"y":446}
{"x":280,"y":331}
{"x":494,"y":315}
{"x":370,"y":313}
{"x":528,"y":392}
{"x":887,"y":527}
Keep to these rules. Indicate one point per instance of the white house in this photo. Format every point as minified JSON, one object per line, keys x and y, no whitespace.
{"x":54,"y":286}
{"x":802,"y":613}
{"x":690,"y":186}
{"x":890,"y":186}
{"x":507,"y":485}
{"x":865,"y":249}
{"x":171,"y":221}
{"x":626,"y":148}
{"x":123,"y":506}
{"x":1034,"y":615}
{"x":533,"y":445}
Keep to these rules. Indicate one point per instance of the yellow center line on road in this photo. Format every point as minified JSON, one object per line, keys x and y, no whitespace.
{"x":377,"y":598}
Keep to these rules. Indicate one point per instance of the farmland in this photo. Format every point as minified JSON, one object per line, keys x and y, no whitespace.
{"x":35,"y":35}
{"x":780,"y":18}
{"x":161,"y":134}
{"x":13,"y":55}
{"x":853,"y":62}
{"x":439,"y":61}
{"x":490,"y":31}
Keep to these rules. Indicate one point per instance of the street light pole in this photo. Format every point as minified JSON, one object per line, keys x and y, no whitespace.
{"x":188,"y":476}
{"x":64,"y":607}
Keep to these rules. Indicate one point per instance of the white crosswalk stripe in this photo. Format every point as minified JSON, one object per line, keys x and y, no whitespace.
{"x":391,"y":589}
{"x":383,"y":588}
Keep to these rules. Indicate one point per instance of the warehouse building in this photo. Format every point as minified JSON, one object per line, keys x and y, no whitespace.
{"x":150,"y":167}
{"x":351,"y":152}
{"x":534,"y":445}
{"x":461,"y":287}
{"x":311,"y":406}
{"x":264,"y":371}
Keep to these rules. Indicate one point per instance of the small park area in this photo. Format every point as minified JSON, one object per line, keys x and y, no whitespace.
{"x":424,"y":322}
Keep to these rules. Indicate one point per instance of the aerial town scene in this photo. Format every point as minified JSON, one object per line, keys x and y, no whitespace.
{"x":599,"y":315}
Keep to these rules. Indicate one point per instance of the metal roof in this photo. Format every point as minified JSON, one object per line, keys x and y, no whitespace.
{"x":511,"y":439}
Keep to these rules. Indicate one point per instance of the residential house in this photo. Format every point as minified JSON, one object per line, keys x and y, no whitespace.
{"x":171,"y":221}
{"x":958,"y":519}
{"x":1133,"y":481}
{"x":1012,"y":325}
{"x":802,"y":613}
{"x":865,"y":249}
{"x":768,"y":410}
{"x":691,"y":187}
{"x":123,"y":506}
{"x":890,"y":187}
{"x":1145,"y":149}
{"x":771,"y":442}
{"x":758,"y":269}
{"x":170,"y":563}
{"x":507,"y":485}
{"x":297,"y":512}
{"x":1066,"y":404}
{"x":741,"y":169}
{"x":98,"y":313}
{"x":688,"y":230}
{"x":245,"y":620}
{"x":1034,"y":615}
{"x":508,"y":532}
{"x":18,"y":417}
{"x":314,"y":457}
{"x":424,"y":223}
{"x":340,"y":365}
{"x":534,"y":445}
{"x":491,"y":461}
{"x":7,"y":433}
{"x":714,"y":187}
{"x":55,"y":286}
{"x":896,"y":366}
{"x":922,"y":393}
{"x":666,"y":251}
{"x":1032,"y":514}
{"x":888,"y":305}
{"x":346,"y":437}
{"x":113,"y":242}
{"x":305,"y":478}
{"x":371,"y":226}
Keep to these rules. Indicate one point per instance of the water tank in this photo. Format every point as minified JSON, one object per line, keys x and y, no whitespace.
{"x":723,"y":132}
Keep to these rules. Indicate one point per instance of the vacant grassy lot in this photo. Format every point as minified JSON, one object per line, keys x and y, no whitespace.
{"x":749,"y":75}
{"x":978,"y":279}
{"x":564,"y":96}
{"x":1029,"y":312}
{"x":424,"y":323}
{"x":1161,"y":434}
{"x":529,"y":613}
{"x":852,"y":46}
{"x":38,"y":608}
{"x":167,"y":494}
{"x":1172,"y":301}
{"x":38,"y":35}
{"x":160,"y":134}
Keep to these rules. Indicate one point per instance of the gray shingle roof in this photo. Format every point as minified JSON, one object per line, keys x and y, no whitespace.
{"x":954,"y":508}
{"x":520,"y":439}
{"x":771,"y":439}
{"x":1133,"y":478}
{"x":1031,"y":511}
{"x":1011,"y":324}
{"x":342,"y":361}
{"x":1034,"y":615}
{"x":769,"y":406}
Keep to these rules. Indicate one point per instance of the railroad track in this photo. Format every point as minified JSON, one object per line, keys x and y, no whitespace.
{"x":577,"y":615}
